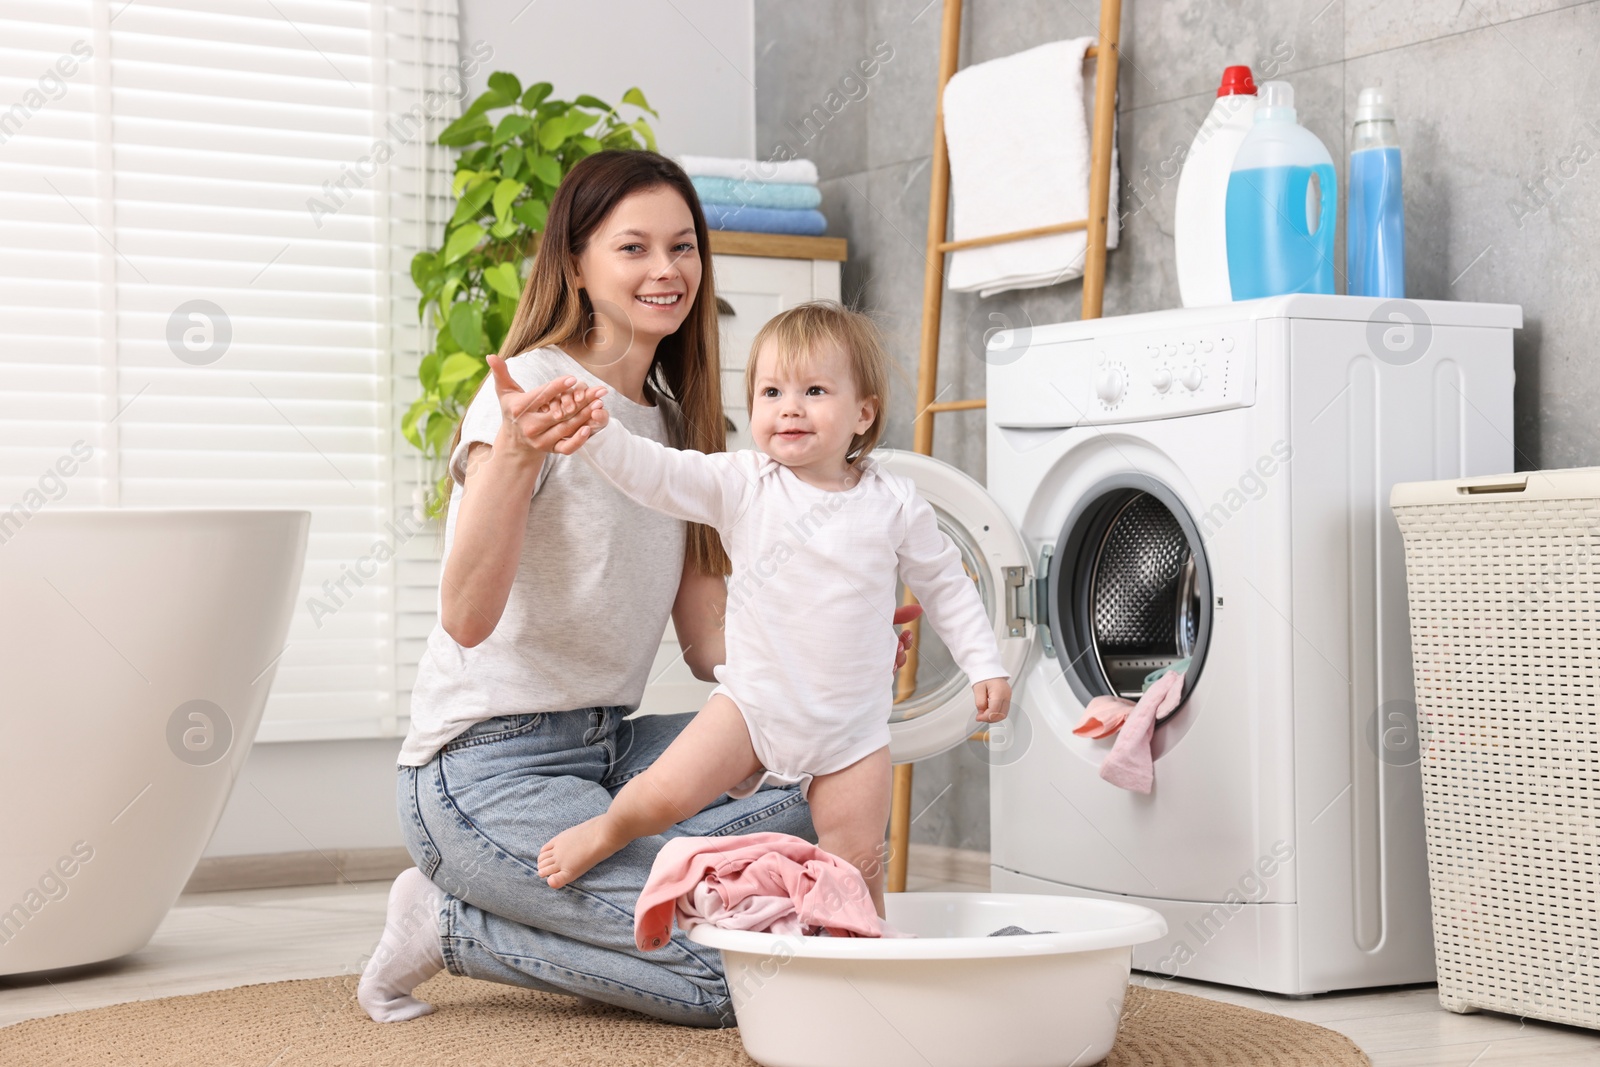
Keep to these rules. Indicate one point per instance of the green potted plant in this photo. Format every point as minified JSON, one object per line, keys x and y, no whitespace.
{"x":506,"y":173}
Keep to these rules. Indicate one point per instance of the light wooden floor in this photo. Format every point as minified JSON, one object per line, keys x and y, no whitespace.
{"x":217,"y":940}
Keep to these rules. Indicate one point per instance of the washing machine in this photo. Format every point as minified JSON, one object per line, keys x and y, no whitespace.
{"x":1212,"y":484}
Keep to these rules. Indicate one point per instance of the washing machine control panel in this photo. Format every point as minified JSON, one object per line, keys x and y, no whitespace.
{"x":1128,"y":377}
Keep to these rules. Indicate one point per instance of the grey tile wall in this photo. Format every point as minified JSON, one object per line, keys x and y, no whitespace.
{"x":1499,"y":119}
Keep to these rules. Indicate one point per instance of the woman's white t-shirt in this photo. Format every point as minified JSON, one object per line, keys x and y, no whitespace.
{"x":594,"y":587}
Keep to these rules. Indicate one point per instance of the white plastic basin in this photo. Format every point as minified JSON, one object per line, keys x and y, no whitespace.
{"x":950,"y":997}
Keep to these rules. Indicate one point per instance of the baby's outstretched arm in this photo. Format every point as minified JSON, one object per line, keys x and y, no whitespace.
{"x":679,"y":482}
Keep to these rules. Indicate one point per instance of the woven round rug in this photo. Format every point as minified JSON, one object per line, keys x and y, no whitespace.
{"x":316,"y":1022}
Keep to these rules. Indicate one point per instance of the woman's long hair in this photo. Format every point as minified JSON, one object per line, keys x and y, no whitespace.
{"x":553,"y":310}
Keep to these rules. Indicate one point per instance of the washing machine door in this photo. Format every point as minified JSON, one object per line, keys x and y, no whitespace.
{"x":939,"y":714}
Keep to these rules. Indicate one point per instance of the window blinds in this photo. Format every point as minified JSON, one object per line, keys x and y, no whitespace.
{"x":207,"y":215}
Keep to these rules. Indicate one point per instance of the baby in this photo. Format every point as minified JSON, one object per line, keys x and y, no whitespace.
{"x":816,"y":531}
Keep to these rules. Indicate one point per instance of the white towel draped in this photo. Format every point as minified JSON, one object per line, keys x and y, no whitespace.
{"x":1019,"y":158}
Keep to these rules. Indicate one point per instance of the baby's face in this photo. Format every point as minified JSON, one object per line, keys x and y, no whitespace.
{"x":805,"y":416}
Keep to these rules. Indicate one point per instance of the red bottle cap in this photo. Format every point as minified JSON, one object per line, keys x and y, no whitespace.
{"x":1236,"y":81}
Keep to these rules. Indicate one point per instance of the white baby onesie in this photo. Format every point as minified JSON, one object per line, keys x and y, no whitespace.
{"x":812,"y":595}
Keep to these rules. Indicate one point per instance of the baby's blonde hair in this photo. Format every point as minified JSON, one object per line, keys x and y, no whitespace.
{"x":796,"y":334}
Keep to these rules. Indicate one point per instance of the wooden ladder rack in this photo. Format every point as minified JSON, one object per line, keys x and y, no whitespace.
{"x":1106,"y":51}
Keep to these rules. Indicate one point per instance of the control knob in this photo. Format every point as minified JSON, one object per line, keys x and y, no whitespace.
{"x":1108,"y":385}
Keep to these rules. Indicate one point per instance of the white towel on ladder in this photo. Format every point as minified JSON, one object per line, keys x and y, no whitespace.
{"x":1019,"y":158}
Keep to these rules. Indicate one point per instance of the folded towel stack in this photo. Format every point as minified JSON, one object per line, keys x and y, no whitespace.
{"x":756,"y":195}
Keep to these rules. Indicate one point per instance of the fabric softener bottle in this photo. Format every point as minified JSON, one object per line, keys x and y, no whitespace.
{"x":1282,"y":203}
{"x":1375,"y":234}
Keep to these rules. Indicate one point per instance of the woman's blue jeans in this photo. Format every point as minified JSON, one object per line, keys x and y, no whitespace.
{"x":476,"y":815}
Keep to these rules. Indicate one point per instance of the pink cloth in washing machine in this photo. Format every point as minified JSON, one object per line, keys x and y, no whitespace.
{"x":1103,"y":717}
{"x":777,"y":883}
{"x":1129,"y":764}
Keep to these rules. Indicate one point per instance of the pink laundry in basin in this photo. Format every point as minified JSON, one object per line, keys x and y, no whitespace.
{"x":777,"y":883}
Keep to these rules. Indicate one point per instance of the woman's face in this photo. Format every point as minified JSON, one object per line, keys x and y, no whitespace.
{"x":641,"y":269}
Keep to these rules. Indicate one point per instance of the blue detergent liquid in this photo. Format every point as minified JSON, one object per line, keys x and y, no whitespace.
{"x":1271,"y":248}
{"x":1375,"y":256}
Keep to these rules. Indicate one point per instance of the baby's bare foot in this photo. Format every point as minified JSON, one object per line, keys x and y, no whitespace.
{"x":572,"y":852}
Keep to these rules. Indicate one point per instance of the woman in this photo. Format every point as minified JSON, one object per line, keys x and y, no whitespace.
{"x":550,"y":613}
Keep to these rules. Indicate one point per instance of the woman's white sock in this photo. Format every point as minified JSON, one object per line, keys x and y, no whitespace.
{"x":407,"y":955}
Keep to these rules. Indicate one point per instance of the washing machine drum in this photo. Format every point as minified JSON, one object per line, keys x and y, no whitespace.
{"x":1131,"y":591}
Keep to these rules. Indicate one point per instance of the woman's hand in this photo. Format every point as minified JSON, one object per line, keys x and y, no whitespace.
{"x":498,"y":483}
{"x":993,"y":697}
{"x":905,"y":614}
{"x":557,"y":417}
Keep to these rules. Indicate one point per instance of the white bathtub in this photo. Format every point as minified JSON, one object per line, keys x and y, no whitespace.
{"x":136,"y":651}
{"x":951,"y":996}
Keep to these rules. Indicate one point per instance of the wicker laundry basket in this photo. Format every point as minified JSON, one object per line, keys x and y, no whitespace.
{"x":1503,"y":577}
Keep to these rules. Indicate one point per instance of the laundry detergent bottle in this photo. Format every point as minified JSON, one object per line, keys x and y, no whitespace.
{"x":1200,"y":236}
{"x":1374,"y":226}
{"x":1282,"y":203}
